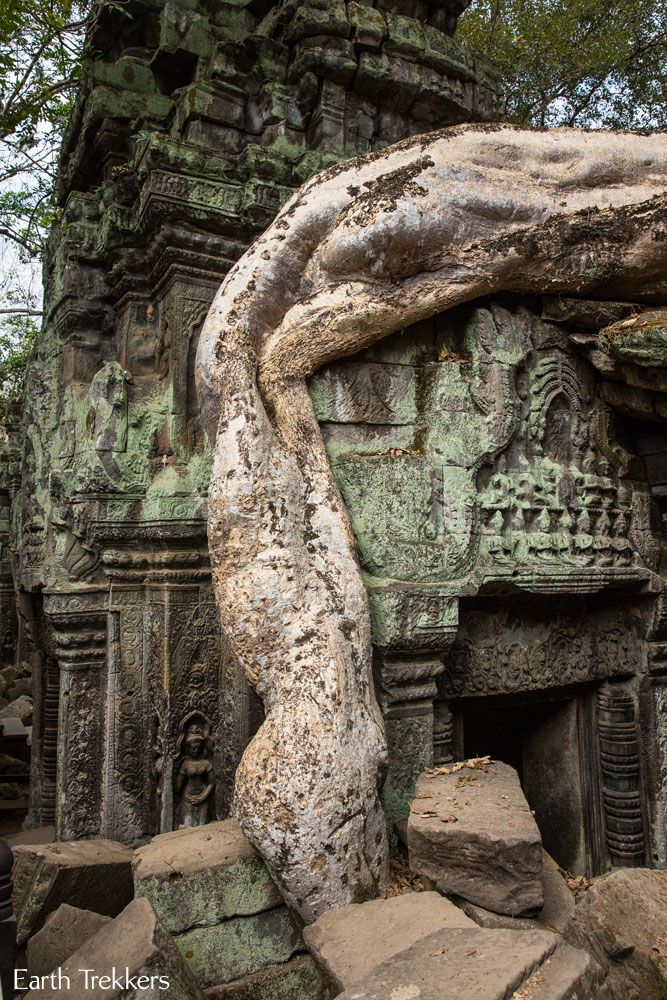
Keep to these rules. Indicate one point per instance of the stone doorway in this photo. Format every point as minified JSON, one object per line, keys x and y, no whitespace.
{"x":548,"y":741}
{"x":577,"y":750}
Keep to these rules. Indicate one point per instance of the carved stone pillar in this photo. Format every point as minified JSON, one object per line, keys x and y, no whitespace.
{"x":412,"y":631}
{"x":78,"y":620}
{"x":180,"y":713}
{"x":621,"y":775}
{"x":653,"y":716}
{"x":407,"y":687}
{"x":126,"y":751}
{"x":653,"y":729}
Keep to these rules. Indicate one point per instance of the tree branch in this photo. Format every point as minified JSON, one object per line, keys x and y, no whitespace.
{"x":21,"y":311}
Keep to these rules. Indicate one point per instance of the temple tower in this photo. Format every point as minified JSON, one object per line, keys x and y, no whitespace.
{"x":195,"y":121}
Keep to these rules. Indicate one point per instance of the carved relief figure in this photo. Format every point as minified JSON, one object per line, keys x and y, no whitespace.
{"x":108,"y":418}
{"x":194,"y":782}
{"x":157,"y":752}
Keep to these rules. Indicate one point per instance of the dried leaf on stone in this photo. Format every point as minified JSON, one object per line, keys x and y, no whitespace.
{"x":479,"y":763}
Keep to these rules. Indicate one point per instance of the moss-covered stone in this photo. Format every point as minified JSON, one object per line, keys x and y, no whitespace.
{"x":298,"y":979}
{"x":240,"y":946}
{"x":203,"y":876}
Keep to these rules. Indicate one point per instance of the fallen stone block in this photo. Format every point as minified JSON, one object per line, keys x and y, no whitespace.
{"x":348,"y":941}
{"x":471,"y":831}
{"x":19,"y":708}
{"x":240,"y":946}
{"x":559,"y":901}
{"x":63,"y":933}
{"x":200,"y":876}
{"x":11,"y":767}
{"x":483,"y":965}
{"x":21,"y":688}
{"x":132,"y":958}
{"x":494,"y":921}
{"x":298,"y":979}
{"x":622,"y":923}
{"x":38,"y":835}
{"x":568,"y":974}
{"x":90,"y":874}
{"x":558,"y":905}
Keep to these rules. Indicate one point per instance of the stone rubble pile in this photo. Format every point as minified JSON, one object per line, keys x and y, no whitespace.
{"x":347,"y":942}
{"x":15,"y":689}
{"x":496,"y":920}
{"x":483,"y":965}
{"x":90,"y":874}
{"x":15,"y":737}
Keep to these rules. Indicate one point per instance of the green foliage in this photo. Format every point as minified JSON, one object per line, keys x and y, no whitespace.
{"x":17,"y":339}
{"x":581,"y":63}
{"x":41,"y":42}
{"x":40,"y":60}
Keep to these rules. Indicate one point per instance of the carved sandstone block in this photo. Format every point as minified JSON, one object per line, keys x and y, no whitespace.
{"x":91,"y":874}
{"x":201,"y":876}
{"x":240,"y":946}
{"x":64,"y":932}
{"x":348,"y":941}
{"x":621,"y":922}
{"x":472,"y":832}
{"x":132,"y":958}
{"x":482,"y":965}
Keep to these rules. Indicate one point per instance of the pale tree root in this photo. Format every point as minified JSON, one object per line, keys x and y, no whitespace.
{"x":359,"y":252}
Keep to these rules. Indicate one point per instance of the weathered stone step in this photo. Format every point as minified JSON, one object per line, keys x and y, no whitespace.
{"x":348,"y":941}
{"x":483,"y":965}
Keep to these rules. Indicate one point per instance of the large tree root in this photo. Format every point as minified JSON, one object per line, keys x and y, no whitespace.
{"x":360,"y":251}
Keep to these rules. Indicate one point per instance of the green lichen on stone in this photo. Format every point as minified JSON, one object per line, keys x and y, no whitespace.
{"x":298,"y":979}
{"x":639,"y":343}
{"x":207,"y":898}
{"x":240,"y":946}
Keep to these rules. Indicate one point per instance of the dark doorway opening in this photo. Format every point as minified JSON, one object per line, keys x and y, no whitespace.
{"x":541,"y":740}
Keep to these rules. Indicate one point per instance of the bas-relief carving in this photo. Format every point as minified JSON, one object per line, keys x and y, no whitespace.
{"x":194,"y":781}
{"x":493,"y":462}
{"x":512,"y":471}
{"x":80,"y":756}
{"x":505,"y":651}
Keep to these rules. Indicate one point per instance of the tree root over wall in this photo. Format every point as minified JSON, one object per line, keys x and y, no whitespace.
{"x":360,"y":251}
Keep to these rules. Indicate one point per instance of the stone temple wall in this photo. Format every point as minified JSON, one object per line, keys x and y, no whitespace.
{"x":510,"y":538}
{"x":196,"y":119}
